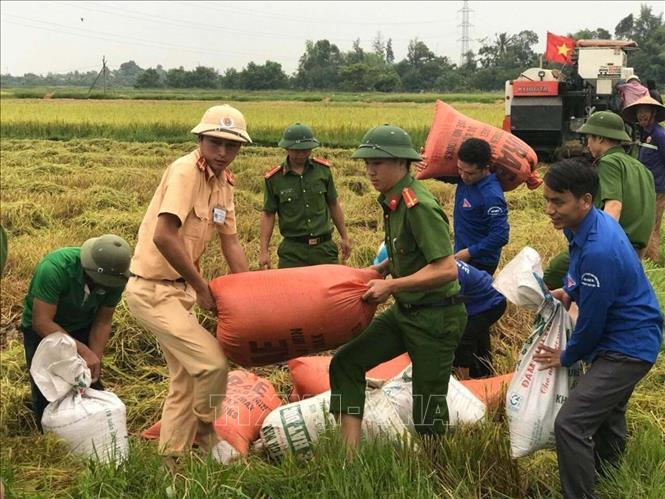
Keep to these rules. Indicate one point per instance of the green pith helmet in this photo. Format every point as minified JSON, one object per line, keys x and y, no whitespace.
{"x":386,"y":141}
{"x":605,"y":124}
{"x":105,"y":260}
{"x":298,"y":136}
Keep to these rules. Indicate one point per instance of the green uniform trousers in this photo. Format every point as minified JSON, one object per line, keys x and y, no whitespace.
{"x":429,"y":335}
{"x":295,"y":254}
{"x":557,"y":270}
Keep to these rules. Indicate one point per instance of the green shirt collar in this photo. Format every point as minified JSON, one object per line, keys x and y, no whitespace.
{"x":286,"y":167}
{"x":612,"y":150}
{"x":392,"y":198}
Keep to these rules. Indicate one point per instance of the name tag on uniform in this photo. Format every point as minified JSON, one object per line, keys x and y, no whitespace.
{"x":218,"y":215}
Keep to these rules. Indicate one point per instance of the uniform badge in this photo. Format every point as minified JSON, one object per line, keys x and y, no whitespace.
{"x":466,"y":204}
{"x":409,"y":197}
{"x":218,"y":215}
{"x":226,"y":122}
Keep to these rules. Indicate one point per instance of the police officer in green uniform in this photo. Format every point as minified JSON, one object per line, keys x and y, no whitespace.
{"x":428,"y":316}
{"x":75,"y":291}
{"x":301,"y":191}
{"x":626,"y":192}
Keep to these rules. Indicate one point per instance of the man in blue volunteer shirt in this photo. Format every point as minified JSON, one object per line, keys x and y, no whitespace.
{"x":619,"y":328}
{"x":480,"y":217}
{"x":484,"y":306}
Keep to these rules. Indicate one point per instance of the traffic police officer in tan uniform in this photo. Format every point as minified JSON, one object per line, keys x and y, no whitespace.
{"x":193,"y":201}
{"x":301,"y":191}
{"x":428,"y":316}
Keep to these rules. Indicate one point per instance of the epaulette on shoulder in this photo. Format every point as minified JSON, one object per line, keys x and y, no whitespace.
{"x":409,"y":197}
{"x":322,"y":161}
{"x":229,"y":177}
{"x":270,"y":173}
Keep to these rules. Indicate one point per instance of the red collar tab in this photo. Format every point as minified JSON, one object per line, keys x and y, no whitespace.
{"x":392,"y":202}
{"x":202,"y":165}
{"x":409,"y":197}
{"x":322,"y":161}
{"x":230,"y":179}
{"x":270,"y":173}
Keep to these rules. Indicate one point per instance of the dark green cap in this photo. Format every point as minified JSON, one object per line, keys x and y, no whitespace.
{"x":105,"y":260}
{"x":605,"y":124}
{"x":386,"y":142}
{"x":298,"y":136}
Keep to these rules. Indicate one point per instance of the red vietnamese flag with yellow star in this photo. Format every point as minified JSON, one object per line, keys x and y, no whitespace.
{"x":559,"y":48}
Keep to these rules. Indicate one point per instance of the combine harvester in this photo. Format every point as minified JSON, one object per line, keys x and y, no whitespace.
{"x":545,"y":107}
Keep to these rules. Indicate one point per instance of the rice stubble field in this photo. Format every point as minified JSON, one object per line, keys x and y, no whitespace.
{"x":77,"y":169}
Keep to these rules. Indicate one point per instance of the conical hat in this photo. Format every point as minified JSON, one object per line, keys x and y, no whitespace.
{"x":629,"y":112}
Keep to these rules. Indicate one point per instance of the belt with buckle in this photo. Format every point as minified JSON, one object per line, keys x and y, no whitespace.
{"x":311,"y":240}
{"x":179,"y":279}
{"x":446,"y":302}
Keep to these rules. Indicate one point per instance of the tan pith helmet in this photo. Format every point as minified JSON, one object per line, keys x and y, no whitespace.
{"x":225,"y":122}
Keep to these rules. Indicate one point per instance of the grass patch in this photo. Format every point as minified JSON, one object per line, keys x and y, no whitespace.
{"x":240,"y":95}
{"x":336,"y":124}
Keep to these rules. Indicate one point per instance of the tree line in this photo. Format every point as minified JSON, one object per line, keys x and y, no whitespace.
{"x":323,"y":66}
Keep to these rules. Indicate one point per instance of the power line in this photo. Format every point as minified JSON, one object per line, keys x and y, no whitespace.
{"x":133,"y":14}
{"x":114,"y":37}
{"x":289,"y":17}
{"x":216,"y":28}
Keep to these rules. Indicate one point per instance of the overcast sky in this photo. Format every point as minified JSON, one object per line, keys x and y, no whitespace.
{"x":63,"y":36}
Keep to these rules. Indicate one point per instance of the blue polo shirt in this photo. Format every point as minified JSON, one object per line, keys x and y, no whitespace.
{"x":480,"y":219}
{"x":652,"y":153}
{"x":476,"y":287}
{"x":618,"y":309}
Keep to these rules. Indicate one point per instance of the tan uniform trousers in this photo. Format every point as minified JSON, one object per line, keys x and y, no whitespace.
{"x":197,"y":365}
{"x":653,"y":250}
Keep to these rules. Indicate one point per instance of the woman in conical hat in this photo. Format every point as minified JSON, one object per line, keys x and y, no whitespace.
{"x":648,"y":113}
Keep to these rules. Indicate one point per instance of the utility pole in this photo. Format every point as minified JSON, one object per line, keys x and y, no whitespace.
{"x":102,"y":73}
{"x":465,"y":10}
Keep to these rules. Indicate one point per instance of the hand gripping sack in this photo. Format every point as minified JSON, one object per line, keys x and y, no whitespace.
{"x":310,"y":374}
{"x":513,"y":161}
{"x":93,"y":422}
{"x":534,"y":397}
{"x":275,"y":315}
{"x":296,"y":427}
{"x":249,"y":399}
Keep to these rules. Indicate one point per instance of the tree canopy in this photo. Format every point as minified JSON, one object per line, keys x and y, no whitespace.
{"x":324,"y":66}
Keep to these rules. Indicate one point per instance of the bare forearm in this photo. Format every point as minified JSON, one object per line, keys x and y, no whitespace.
{"x":44,"y":327}
{"x":99,"y":337}
{"x":234,"y":254}
{"x":267,"y":226}
{"x":337,"y":216}
{"x":613,"y":208}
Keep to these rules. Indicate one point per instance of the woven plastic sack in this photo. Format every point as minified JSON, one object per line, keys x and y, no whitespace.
{"x":272,"y":316}
{"x":92,"y":422}
{"x":513,"y":160}
{"x":535,"y":397}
